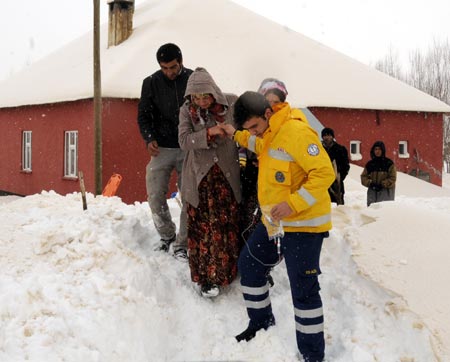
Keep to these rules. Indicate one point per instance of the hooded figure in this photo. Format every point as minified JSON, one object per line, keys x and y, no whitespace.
{"x":210,"y":184}
{"x":379,"y":175}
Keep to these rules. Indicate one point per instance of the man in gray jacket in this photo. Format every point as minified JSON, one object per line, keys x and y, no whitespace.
{"x":161,"y":97}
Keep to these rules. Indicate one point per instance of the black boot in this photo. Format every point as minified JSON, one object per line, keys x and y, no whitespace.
{"x":247,"y":335}
{"x":250,"y":332}
{"x":164,"y":244}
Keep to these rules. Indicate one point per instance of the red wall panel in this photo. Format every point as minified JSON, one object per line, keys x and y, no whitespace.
{"x":124,"y":151}
{"x":423,"y":132}
{"x":48,"y":124}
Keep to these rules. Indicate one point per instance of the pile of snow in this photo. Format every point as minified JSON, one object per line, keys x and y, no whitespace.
{"x":87,"y":286}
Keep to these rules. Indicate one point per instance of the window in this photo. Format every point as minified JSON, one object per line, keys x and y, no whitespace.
{"x":403,"y":149}
{"x":26,"y":151}
{"x":355,"y":151}
{"x":71,"y":154}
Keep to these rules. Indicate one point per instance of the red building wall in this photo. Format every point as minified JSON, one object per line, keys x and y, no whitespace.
{"x":423,"y":132}
{"x":48,"y":124}
{"x":124,"y":151}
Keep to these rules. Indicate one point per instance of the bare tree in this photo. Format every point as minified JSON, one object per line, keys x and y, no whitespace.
{"x":390,"y":64}
{"x":417,"y":76}
{"x":429,"y":72}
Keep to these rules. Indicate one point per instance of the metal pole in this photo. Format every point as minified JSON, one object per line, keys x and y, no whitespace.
{"x":97,"y":101}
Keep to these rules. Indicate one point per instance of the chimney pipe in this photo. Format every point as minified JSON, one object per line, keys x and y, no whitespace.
{"x":120,"y":21}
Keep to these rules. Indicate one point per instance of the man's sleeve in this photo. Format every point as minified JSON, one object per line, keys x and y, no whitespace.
{"x":145,"y":112}
{"x":392,"y":177}
{"x":245,"y":139}
{"x":345,"y":163}
{"x":314,"y":160}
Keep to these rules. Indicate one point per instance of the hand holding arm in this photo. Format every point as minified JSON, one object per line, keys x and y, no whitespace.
{"x":228,"y":129}
{"x":216,"y":131}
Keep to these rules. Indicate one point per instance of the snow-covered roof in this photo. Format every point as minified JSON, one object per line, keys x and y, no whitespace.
{"x":238,"y":47}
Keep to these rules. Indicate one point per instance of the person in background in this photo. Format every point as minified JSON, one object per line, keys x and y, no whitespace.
{"x":339,"y":158}
{"x":379,"y":175}
{"x":294,"y":175}
{"x":161,"y":97}
{"x":211,"y":186}
{"x":274,"y":90}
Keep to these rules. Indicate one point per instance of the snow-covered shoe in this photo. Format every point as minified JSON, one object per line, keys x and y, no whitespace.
{"x":181,"y":254}
{"x":209,"y":290}
{"x":250,"y":332}
{"x":164,"y":244}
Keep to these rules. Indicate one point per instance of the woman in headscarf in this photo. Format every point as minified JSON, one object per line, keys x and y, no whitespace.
{"x":211,"y":185}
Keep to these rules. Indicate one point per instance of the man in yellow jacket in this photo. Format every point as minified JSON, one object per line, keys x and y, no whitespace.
{"x":295,"y":173}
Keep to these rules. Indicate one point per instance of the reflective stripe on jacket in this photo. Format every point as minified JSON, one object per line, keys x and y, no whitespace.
{"x":293,"y":167}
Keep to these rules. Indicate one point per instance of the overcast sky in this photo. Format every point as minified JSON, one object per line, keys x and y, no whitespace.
{"x":362,"y":29}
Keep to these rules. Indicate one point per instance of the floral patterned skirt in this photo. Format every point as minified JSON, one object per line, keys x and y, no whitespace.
{"x":213,"y":228}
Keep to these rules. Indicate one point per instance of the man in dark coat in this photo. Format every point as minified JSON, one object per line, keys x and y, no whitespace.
{"x":159,"y":107}
{"x":379,"y":175}
{"x":339,"y":158}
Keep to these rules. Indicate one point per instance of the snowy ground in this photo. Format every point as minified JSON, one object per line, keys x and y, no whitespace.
{"x":87,"y":286}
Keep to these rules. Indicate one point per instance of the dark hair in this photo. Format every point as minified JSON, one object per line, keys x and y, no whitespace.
{"x":327,"y":131}
{"x":249,"y":104}
{"x":277,"y":92}
{"x":168,"y":52}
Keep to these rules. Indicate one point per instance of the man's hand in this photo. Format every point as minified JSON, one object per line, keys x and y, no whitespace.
{"x":216,"y":131}
{"x":153,"y":149}
{"x":376,"y":187}
{"x":281,"y":211}
{"x":228,"y":129}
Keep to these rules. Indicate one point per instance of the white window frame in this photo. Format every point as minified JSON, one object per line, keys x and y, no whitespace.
{"x":355,"y":156}
{"x":26,"y":151}
{"x":71,"y":154}
{"x":405,"y":153}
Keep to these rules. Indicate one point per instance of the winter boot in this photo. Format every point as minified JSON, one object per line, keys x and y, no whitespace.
{"x":209,"y":290}
{"x":164,"y":244}
{"x":250,"y":332}
{"x":181,"y":254}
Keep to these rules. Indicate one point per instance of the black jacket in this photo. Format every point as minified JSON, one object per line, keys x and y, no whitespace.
{"x":340,"y":154}
{"x":159,"y":107}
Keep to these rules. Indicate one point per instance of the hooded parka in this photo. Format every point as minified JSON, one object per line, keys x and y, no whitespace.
{"x":379,"y":176}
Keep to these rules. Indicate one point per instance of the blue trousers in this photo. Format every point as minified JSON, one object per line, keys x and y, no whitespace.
{"x":301,"y":252}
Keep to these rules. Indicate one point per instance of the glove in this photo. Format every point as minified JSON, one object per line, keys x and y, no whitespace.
{"x":375,"y":187}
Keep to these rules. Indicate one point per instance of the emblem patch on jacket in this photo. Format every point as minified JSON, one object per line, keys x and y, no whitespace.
{"x":279,"y":176}
{"x":313,"y":149}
